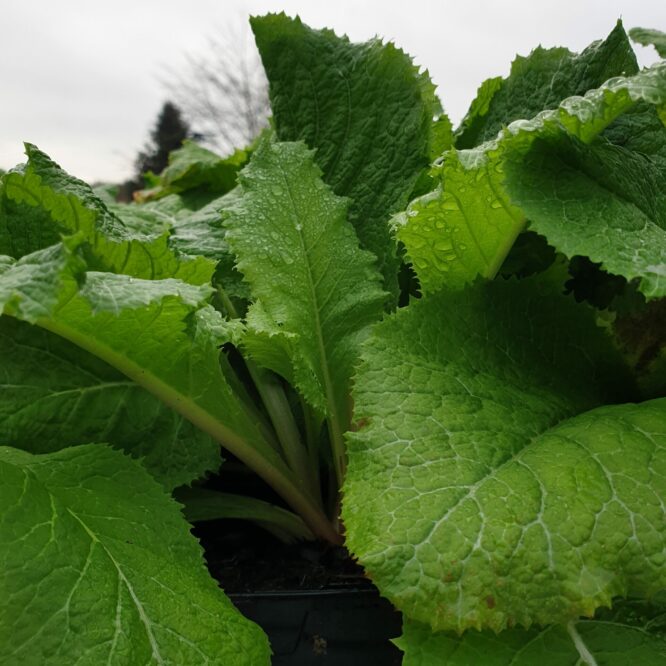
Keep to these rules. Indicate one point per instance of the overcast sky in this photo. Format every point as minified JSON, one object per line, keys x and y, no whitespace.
{"x":81,"y":78}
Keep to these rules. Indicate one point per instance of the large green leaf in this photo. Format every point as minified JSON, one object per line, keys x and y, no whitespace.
{"x":164,"y":336}
{"x":541,"y":81}
{"x":97,"y":566}
{"x":39,"y":201}
{"x":481,"y":492}
{"x":468,"y":224}
{"x":54,"y":395}
{"x":365,"y":109}
{"x":582,"y":643}
{"x":315,"y":290}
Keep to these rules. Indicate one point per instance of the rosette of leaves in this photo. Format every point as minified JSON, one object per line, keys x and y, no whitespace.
{"x":500,"y":439}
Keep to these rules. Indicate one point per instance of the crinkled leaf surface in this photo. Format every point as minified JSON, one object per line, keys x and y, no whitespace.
{"x":97,"y":566}
{"x":609,"y":643}
{"x":481,"y":492}
{"x":198,"y":230}
{"x":601,"y":201}
{"x":55,"y":395}
{"x":648,"y":37}
{"x":466,"y":227}
{"x":315,"y":290}
{"x":640,"y":130}
{"x":541,"y":81}
{"x":62,"y":204}
{"x":365,"y":109}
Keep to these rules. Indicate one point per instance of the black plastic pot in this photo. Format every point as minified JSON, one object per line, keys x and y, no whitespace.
{"x":328,"y":627}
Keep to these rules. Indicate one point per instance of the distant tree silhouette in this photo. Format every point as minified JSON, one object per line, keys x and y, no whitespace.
{"x":168,"y":134}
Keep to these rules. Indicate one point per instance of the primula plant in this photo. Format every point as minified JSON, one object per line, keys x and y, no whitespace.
{"x":446,"y":349}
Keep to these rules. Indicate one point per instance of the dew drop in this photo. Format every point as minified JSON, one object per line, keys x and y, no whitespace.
{"x":443,"y":246}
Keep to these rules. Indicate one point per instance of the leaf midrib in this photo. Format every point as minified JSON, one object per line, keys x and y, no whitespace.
{"x":334,"y":417}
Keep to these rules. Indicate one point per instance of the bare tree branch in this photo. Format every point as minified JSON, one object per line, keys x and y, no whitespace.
{"x":223,"y":90}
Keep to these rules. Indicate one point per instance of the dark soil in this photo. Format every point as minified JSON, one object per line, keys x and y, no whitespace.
{"x":244,"y":558}
{"x":312,"y":600}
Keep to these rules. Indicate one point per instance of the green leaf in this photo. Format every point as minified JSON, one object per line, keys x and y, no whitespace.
{"x":441,"y":136}
{"x":365,"y":109}
{"x":55,"y":394}
{"x":97,"y":566}
{"x":315,"y":290}
{"x":466,"y":227}
{"x":199,"y":231}
{"x":488,"y":486}
{"x":541,"y":81}
{"x":475,"y":120}
{"x":463,"y":228}
{"x":164,"y":336}
{"x":24,"y":228}
{"x":62,"y":204}
{"x":33,"y":286}
{"x":648,"y":37}
{"x":640,"y":130}
{"x":441,"y":140}
{"x":600,"y":201}
{"x":608,"y":643}
{"x":159,"y":333}
{"x":194,"y":166}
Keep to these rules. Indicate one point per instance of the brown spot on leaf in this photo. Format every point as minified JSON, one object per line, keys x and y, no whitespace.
{"x":361,"y":423}
{"x":490,"y":601}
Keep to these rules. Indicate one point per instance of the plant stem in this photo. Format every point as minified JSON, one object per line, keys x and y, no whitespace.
{"x":266,"y":463}
{"x":312,"y":432}
{"x":279,"y":411}
{"x":201,"y":504}
{"x":227,"y":302}
{"x":273,"y":396}
{"x":250,"y":407}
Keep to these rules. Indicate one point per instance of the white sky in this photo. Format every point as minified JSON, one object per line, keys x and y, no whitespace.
{"x":81,"y":78}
